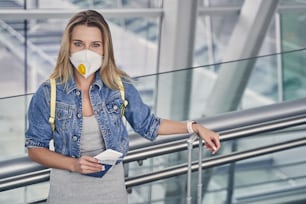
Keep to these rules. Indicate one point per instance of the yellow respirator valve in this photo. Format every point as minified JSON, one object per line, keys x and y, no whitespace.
{"x":82,"y":69}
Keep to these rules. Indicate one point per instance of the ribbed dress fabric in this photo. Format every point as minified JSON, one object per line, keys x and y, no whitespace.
{"x":73,"y":188}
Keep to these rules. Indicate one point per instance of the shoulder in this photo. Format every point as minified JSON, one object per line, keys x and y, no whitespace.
{"x":43,"y":88}
{"x":39,"y":98}
{"x":128,"y":83}
{"x":131,"y":90}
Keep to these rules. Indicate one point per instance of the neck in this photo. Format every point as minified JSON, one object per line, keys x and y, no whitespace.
{"x":82,"y":83}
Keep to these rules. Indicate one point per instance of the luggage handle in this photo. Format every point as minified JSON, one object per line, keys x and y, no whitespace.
{"x":190,"y":141}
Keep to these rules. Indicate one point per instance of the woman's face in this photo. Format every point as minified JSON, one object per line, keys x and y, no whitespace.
{"x":85,"y":37}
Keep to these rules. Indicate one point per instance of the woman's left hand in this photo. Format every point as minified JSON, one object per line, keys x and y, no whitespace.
{"x":211,"y":138}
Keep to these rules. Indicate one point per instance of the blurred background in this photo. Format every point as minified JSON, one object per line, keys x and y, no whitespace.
{"x":190,"y":60}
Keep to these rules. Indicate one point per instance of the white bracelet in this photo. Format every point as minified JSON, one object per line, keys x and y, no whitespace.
{"x":189,"y":126}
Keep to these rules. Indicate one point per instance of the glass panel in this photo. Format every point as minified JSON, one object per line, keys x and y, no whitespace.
{"x":292,"y":2}
{"x":268,"y":177}
{"x":28,"y":194}
{"x":263,"y":179}
{"x":12,"y":58}
{"x":255,"y":94}
{"x":18,"y":4}
{"x":211,"y":38}
{"x":213,"y":34}
{"x":12,"y":126}
{"x":293,"y":32}
{"x":43,"y":40}
{"x":262,"y":88}
{"x":200,"y":89}
{"x":156,"y":192}
{"x":135,"y":42}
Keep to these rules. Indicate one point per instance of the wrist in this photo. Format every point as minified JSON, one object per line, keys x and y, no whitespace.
{"x":191,"y":127}
{"x":73,"y":165}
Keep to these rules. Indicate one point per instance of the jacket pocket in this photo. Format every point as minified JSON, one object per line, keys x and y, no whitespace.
{"x":63,"y":116}
{"x":113,"y":108}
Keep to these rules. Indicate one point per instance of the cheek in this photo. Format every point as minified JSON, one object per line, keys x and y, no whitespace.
{"x":99,"y":50}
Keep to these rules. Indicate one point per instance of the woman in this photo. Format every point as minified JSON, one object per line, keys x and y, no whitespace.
{"x":88,"y":117}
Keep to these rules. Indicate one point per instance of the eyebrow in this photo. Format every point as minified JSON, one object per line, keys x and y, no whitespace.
{"x":83,"y":41}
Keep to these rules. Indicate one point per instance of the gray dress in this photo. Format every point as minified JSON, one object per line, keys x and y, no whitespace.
{"x":69,"y":187}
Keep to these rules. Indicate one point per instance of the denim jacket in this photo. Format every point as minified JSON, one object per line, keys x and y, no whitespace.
{"x":106,"y":105}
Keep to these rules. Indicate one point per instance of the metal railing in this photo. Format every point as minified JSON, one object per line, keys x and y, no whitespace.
{"x":22,"y":172}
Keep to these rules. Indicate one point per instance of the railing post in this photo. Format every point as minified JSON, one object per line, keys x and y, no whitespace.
{"x":200,"y":172}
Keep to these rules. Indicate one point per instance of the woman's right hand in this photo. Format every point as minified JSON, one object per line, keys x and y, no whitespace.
{"x":51,"y":159}
{"x":87,"y":164}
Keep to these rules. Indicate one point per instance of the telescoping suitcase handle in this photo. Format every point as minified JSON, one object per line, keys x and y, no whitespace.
{"x":190,"y":142}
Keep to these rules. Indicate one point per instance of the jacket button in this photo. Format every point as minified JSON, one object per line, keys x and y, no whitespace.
{"x":78,"y":93}
{"x":74,"y":138}
{"x":79,"y":115}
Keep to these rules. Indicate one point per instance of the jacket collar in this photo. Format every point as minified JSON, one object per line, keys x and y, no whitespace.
{"x":71,"y":85}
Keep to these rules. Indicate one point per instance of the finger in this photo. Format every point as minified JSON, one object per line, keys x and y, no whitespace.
{"x":211,"y":145}
{"x":90,"y":166}
{"x":90,"y":159}
{"x":87,"y":169}
{"x":216,"y":141}
{"x":90,"y":163}
{"x":211,"y":150}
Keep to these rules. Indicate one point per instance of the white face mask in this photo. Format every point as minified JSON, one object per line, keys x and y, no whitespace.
{"x":86,"y":62}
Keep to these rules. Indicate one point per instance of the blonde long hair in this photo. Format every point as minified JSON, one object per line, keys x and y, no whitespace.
{"x":109,"y":71}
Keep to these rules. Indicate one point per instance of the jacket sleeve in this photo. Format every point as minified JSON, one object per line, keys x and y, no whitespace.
{"x":139,"y":115}
{"x":39,"y":132}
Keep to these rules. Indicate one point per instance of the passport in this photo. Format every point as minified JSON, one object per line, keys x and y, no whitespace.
{"x":108,"y":159}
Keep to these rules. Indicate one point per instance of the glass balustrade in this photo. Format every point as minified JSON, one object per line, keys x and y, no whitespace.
{"x":268,"y":168}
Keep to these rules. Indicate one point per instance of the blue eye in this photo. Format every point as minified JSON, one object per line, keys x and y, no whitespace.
{"x":96,"y":44}
{"x":77,"y":43}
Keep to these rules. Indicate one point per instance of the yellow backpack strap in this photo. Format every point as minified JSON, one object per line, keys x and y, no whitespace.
{"x":52,"y":103}
{"x":122,"y":93}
